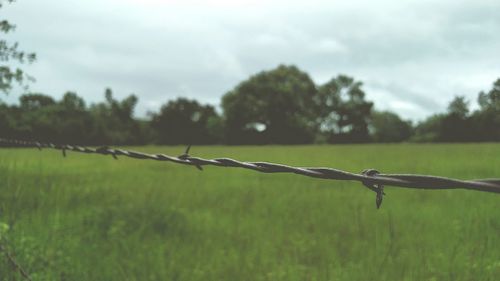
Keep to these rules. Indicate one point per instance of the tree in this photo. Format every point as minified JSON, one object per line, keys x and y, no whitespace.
{"x":6,"y":120}
{"x":184,"y":121}
{"x":69,"y":120}
{"x":459,"y":107}
{"x":35,"y":117}
{"x":429,"y":130}
{"x":490,"y":100}
{"x":114,"y":121}
{"x":35,"y":101}
{"x":274,"y":106}
{"x":343,"y":112}
{"x":73,"y":121}
{"x":486,"y":120}
{"x":389,"y":127}
{"x":10,"y":52}
{"x":64,"y":121}
{"x":72,"y":102}
{"x":453,"y":126}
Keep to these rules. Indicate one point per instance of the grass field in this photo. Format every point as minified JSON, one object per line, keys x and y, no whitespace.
{"x":89,"y":217}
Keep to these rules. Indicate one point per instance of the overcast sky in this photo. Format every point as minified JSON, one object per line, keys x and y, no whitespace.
{"x":413,"y":56}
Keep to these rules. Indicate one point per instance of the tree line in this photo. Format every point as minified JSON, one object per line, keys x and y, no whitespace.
{"x":278,"y":106}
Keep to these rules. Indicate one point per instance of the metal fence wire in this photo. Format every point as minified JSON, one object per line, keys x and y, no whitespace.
{"x":370,"y":178}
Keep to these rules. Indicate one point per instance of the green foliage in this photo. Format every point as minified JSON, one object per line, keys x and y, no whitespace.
{"x":491,"y":100}
{"x":69,"y":120}
{"x":4,"y":229}
{"x":184,"y":121}
{"x":90,"y":217}
{"x":9,"y":53}
{"x":114,"y":122}
{"x":487,"y":120}
{"x":453,"y":126}
{"x":429,"y":130}
{"x":279,"y":106}
{"x":458,"y":125}
{"x":459,"y":107}
{"x":343,"y":113}
{"x":388,"y":127}
{"x":273,"y":106}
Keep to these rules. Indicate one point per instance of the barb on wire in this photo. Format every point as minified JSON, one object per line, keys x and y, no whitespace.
{"x":377,"y":188}
{"x":185,"y":156}
{"x":370,"y":178}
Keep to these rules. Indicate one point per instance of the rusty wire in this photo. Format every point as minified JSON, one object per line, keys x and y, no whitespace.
{"x":370,"y":178}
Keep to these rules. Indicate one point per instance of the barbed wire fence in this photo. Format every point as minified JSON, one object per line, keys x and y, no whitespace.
{"x":370,"y":178}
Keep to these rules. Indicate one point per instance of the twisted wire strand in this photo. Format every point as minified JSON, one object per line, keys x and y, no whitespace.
{"x":370,"y":178}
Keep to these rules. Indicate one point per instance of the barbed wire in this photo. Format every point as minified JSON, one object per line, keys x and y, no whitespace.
{"x":370,"y":178}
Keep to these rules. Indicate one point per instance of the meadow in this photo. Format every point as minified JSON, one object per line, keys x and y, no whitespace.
{"x":90,"y":217}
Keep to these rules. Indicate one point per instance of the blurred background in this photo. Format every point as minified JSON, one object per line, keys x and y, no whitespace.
{"x":250,"y":72}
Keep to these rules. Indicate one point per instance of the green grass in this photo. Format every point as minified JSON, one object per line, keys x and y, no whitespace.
{"x":89,"y":217}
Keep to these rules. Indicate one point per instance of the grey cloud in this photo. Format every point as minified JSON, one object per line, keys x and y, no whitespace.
{"x":413,"y":55}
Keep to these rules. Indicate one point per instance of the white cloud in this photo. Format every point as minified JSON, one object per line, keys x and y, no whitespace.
{"x":328,"y":46}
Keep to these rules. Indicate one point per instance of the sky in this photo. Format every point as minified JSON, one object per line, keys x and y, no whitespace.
{"x":412,"y":56}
